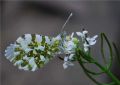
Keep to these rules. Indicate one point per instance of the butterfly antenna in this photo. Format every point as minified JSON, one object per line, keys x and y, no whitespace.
{"x":66,"y":22}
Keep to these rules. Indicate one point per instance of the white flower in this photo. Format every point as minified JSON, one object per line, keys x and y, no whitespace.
{"x":66,"y":58}
{"x":86,"y":47}
{"x":69,"y":46}
{"x":67,"y":63}
{"x":92,"y":40}
{"x":38,"y":38}
{"x":87,"y":41}
{"x":71,"y":56}
{"x":82,"y":34}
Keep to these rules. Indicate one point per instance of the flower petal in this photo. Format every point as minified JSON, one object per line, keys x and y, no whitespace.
{"x":65,"y":58}
{"x":71,"y":56}
{"x":85,"y":32}
{"x":79,"y":33}
{"x":65,"y":66}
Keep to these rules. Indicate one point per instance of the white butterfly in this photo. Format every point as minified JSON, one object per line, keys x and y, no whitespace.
{"x":33,"y":51}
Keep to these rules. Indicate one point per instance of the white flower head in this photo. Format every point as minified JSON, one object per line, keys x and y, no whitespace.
{"x":89,"y":42}
{"x":67,"y":63}
{"x":66,"y":58}
{"x":69,"y":46}
{"x":86,"y":47}
{"x":71,"y":56}
{"x":92,"y":40}
{"x":86,"y":40}
{"x":82,"y":34}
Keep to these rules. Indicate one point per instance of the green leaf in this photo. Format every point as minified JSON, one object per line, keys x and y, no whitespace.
{"x":102,"y":49}
{"x":103,"y":37}
{"x":91,"y":77}
{"x":117,"y":52}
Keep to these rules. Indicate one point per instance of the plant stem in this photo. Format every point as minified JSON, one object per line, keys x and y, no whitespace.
{"x":109,"y":73}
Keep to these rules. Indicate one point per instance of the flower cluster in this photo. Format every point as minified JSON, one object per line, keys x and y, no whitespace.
{"x":33,"y":51}
{"x":86,"y":40}
{"x":71,"y":43}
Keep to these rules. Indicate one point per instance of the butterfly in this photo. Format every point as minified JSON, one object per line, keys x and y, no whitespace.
{"x":33,"y":51}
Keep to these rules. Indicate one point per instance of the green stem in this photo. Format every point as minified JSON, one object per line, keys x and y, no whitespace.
{"x":113,"y":77}
{"x":104,"y":69}
{"x":92,"y":78}
{"x":109,"y":73}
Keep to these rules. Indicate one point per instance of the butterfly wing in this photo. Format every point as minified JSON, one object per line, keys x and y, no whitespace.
{"x":32,"y":51}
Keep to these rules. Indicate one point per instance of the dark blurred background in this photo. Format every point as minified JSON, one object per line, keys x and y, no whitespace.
{"x":46,"y":18}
